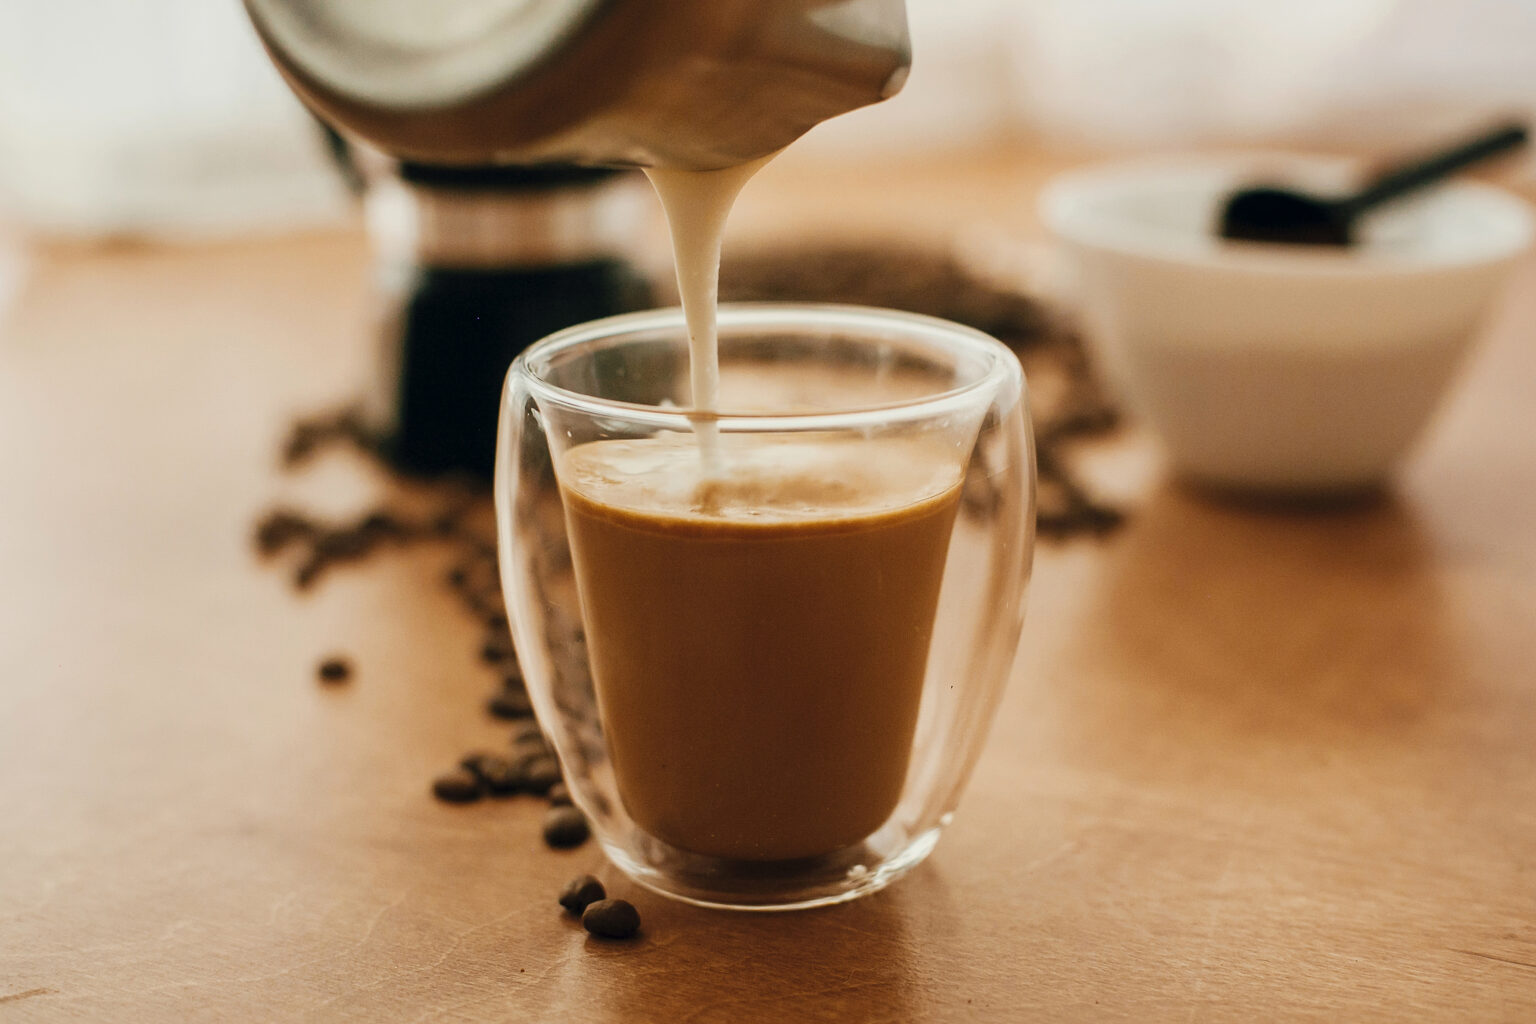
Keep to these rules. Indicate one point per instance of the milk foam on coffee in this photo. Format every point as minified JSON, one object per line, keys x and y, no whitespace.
{"x":759,"y":637}
{"x":769,"y":479}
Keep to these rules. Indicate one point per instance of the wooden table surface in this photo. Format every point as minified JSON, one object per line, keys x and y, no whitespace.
{"x":1253,"y":765}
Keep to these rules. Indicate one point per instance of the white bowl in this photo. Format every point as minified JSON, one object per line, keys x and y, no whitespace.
{"x":1275,"y":367}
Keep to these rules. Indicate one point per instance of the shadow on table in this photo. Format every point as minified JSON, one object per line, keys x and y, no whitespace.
{"x":1267,"y":620}
{"x":848,"y":962}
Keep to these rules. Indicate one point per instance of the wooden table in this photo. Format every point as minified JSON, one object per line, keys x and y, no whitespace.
{"x":1253,"y":765}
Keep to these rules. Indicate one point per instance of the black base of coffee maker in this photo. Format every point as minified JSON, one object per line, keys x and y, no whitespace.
{"x":459,"y":331}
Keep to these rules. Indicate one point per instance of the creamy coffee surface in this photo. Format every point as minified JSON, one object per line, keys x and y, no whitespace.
{"x":759,"y":639}
{"x":809,"y":478}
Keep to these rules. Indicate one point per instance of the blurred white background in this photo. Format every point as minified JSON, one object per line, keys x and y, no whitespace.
{"x":164,"y":118}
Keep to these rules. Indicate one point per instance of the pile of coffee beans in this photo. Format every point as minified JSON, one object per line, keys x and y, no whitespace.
{"x":318,"y":545}
{"x":941,"y":284}
{"x":328,"y":544}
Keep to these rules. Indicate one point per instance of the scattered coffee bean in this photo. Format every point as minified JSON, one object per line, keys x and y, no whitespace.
{"x":335,"y":670}
{"x":475,"y":759}
{"x":559,"y":795}
{"x":281,"y":527}
{"x":498,"y":649}
{"x":347,"y":544}
{"x":565,"y":827}
{"x":499,"y":776}
{"x":305,"y":575}
{"x":328,"y":545}
{"x":580,"y":892}
{"x":460,"y":786}
{"x":510,"y":704}
{"x":527,"y":731}
{"x":540,"y":774}
{"x":314,"y":433}
{"x":529,"y":745}
{"x":383,"y":524}
{"x":611,"y":919}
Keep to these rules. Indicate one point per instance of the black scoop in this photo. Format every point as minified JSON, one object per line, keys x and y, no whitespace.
{"x":1269,"y":213}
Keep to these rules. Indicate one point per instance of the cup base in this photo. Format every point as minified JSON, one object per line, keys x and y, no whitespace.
{"x":800,"y":884}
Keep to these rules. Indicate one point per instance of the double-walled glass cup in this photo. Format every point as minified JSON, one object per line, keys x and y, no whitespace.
{"x":766,"y":642}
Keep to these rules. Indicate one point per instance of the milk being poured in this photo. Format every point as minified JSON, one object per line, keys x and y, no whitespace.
{"x":697,"y":204}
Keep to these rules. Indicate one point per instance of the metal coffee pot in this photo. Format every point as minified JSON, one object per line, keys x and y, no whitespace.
{"x":681,"y":83}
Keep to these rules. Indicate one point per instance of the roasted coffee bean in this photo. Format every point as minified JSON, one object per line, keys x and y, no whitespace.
{"x":497,"y":649}
{"x":384,"y":524}
{"x":565,"y":827}
{"x":559,"y":795}
{"x":526,"y":731}
{"x":306,"y":574}
{"x":611,"y":919}
{"x":298,"y":448}
{"x":529,"y":736}
{"x":281,"y":527}
{"x":335,"y":670}
{"x":474,"y":760}
{"x":540,"y":774}
{"x":529,"y":748}
{"x":316,"y":432}
{"x":580,"y":892}
{"x":510,"y":704}
{"x":460,"y":786}
{"x":528,"y":742}
{"x":482,"y":603}
{"x":503,"y":777}
{"x":499,"y":775}
{"x":345,"y":545}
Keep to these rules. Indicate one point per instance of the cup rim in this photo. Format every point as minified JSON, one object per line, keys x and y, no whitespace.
{"x":1001,"y":365}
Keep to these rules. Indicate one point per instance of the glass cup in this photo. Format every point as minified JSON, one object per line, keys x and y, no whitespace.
{"x":767,"y":642}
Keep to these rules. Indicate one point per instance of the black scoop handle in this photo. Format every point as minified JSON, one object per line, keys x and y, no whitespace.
{"x":1410,"y":176}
